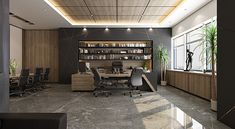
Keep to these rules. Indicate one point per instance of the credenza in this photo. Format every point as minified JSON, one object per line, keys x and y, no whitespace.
{"x":197,"y":83}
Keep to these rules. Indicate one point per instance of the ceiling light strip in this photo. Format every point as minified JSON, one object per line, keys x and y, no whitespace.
{"x":177,"y":3}
{"x":58,"y":11}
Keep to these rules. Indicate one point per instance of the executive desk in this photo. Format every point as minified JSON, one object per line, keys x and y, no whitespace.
{"x":85,"y":82}
{"x":126,"y":75}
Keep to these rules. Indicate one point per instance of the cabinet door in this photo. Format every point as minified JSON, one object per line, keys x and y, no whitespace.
{"x":200,"y":85}
{"x":171,"y":78}
{"x":181,"y":80}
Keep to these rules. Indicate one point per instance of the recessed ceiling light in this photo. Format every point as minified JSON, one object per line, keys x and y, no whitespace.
{"x":150,"y":29}
{"x":128,"y":29}
{"x":84,"y":29}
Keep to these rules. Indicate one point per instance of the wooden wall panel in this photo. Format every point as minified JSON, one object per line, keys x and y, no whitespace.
{"x":40,"y":49}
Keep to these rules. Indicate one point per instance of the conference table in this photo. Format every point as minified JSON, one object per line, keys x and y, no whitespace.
{"x":125,"y":75}
{"x":18,"y":75}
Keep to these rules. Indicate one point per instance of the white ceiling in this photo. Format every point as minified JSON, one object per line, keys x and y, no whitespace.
{"x":45,"y":17}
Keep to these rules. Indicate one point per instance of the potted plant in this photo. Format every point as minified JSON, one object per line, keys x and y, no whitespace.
{"x":209,"y":43}
{"x":162,"y":54}
{"x":13,"y":66}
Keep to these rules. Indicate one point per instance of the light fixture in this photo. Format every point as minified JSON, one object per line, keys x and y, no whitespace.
{"x":106,"y":29}
{"x":150,"y":29}
{"x":128,"y":29}
{"x":84,"y":29}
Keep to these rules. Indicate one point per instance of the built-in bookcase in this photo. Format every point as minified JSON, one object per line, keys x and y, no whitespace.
{"x":139,"y":52}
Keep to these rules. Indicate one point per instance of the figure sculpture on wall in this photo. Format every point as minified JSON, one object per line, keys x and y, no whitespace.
{"x":189,"y":60}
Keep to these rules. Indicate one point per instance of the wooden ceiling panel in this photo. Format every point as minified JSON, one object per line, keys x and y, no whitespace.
{"x":105,"y":19}
{"x":106,"y":11}
{"x":128,"y":19}
{"x":82,"y":19}
{"x":157,"y":10}
{"x":150,"y":19}
{"x":164,"y":2}
{"x":103,"y":10}
{"x":132,"y":2}
{"x":68,"y":2}
{"x":74,"y":10}
{"x":130,"y":10}
{"x":100,"y":2}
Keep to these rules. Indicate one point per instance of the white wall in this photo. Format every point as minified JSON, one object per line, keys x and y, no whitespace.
{"x":205,"y":13}
{"x":16,"y":46}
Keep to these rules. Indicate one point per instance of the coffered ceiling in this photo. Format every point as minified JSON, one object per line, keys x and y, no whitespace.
{"x":113,"y":12}
{"x":49,"y":14}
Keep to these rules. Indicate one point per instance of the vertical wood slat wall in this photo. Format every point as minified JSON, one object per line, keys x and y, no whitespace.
{"x":40,"y":49}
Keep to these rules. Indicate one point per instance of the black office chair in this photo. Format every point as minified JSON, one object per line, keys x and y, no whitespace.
{"x":136,"y":81}
{"x":19,"y":87}
{"x":100,"y":84}
{"x":117,"y":67}
{"x":38,"y":79}
{"x":46,"y":74}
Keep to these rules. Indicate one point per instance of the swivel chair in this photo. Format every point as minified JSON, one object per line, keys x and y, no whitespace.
{"x":136,"y":81}
{"x":100,"y":84}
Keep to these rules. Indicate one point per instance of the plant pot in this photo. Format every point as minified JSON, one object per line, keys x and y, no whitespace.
{"x":213,"y":105}
{"x":163,"y":83}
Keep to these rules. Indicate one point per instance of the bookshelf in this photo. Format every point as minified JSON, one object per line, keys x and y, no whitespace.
{"x":134,"y":51}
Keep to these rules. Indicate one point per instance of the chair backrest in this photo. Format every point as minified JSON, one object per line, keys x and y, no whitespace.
{"x":24,"y":72}
{"x":47,"y":71}
{"x":97,"y":77}
{"x":136,"y":77}
{"x":46,"y":74}
{"x":38,"y":70}
{"x":117,"y":65}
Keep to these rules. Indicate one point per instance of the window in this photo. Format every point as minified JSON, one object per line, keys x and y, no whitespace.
{"x":179,"y":52}
{"x":194,"y":40}
{"x":191,"y":40}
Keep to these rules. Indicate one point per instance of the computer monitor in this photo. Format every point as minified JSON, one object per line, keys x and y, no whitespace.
{"x":82,"y":67}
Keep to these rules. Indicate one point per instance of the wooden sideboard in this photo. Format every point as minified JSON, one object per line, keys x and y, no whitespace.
{"x":82,"y":82}
{"x":196,"y":83}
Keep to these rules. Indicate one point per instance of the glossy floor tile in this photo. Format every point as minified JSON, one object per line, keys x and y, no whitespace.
{"x":151,"y":111}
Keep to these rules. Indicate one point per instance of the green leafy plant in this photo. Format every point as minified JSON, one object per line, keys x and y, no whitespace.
{"x":209,"y":45}
{"x":162,"y":54}
{"x":13,"y":66}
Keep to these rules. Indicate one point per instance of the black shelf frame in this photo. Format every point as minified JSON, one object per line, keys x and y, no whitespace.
{"x":115,"y":53}
{"x":116,"y":47}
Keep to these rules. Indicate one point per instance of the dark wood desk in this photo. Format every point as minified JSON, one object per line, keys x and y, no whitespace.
{"x":126,"y":75}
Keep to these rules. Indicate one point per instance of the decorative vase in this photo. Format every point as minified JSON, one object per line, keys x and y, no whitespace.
{"x":163,"y":83}
{"x":213,"y":105}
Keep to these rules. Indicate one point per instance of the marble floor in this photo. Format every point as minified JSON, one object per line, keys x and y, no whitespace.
{"x":151,"y":111}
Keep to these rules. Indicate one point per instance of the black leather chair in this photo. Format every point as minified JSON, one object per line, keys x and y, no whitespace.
{"x":33,"y":121}
{"x":136,"y":81}
{"x":19,"y":87}
{"x":100,"y":84}
{"x":46,"y":74}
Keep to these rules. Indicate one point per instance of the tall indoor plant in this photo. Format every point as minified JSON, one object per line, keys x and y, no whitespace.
{"x":13,"y":66}
{"x":209,"y":43}
{"x":162,"y":54}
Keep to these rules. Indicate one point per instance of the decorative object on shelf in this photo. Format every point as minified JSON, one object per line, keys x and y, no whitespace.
{"x":189,"y":60}
{"x":13,"y":66}
{"x":162,"y":54}
{"x":209,"y":43}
